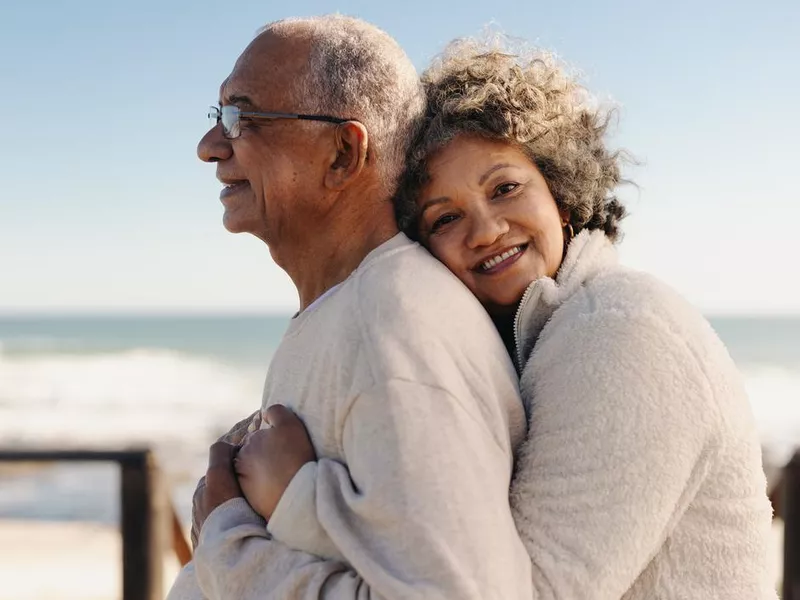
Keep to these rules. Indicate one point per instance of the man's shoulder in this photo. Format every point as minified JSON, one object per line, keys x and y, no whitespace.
{"x":419,"y":324}
{"x":405,"y":315}
{"x":408,"y":285}
{"x":407,"y":303}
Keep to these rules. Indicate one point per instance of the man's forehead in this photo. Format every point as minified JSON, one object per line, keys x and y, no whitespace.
{"x":233,"y":92}
{"x":248,"y":88}
{"x":267,"y":66}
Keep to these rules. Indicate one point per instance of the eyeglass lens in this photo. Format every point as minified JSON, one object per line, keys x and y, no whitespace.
{"x":229,"y":116}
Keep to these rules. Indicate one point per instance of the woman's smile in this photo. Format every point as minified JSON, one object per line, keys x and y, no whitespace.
{"x":499,"y":262}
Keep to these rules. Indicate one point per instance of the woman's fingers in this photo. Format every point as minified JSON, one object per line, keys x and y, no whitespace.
{"x":278,"y":415}
{"x":255,"y":423}
{"x":238,"y":431}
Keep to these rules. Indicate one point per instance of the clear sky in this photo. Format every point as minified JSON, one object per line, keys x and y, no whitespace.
{"x":104,"y":205}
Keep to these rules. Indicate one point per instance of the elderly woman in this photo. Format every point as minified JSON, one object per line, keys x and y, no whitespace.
{"x":641,"y":476}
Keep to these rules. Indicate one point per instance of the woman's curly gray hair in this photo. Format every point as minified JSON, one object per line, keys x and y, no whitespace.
{"x":527,"y":99}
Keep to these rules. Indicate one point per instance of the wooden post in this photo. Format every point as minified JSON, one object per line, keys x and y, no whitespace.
{"x":144,"y":516}
{"x":179,"y":544}
{"x":144,"y":527}
{"x":791,"y":529}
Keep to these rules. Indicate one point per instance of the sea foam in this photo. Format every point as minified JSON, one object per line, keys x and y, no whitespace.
{"x":175,"y":403}
{"x":178,"y":403}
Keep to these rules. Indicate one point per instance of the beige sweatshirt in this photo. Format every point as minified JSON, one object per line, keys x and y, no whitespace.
{"x":413,"y":408}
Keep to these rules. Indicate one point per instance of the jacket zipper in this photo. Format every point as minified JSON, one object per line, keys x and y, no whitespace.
{"x":517,"y":346}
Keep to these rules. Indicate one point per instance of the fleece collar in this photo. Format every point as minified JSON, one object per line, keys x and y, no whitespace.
{"x":589,"y":253}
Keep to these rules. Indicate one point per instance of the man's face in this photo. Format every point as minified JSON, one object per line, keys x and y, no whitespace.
{"x":273,"y":171}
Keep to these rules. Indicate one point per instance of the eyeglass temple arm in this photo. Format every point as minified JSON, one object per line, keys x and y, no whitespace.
{"x":326,"y":118}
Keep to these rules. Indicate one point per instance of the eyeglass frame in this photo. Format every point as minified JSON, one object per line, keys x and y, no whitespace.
{"x":215,"y":115}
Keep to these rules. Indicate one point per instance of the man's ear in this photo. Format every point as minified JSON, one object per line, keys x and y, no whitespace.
{"x":352,"y":142}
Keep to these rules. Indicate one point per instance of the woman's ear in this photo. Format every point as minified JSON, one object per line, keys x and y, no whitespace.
{"x":352,"y":142}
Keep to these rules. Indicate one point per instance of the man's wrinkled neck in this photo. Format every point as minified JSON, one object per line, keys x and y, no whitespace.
{"x":330,"y":252}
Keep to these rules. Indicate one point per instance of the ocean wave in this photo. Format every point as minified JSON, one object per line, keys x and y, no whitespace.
{"x":40,"y":344}
{"x":179,"y":403}
{"x":172,"y":402}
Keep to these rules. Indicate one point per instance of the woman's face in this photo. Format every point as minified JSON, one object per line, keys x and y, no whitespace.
{"x":488,"y":215}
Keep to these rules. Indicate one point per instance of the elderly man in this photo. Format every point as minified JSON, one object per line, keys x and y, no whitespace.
{"x":403,"y":384}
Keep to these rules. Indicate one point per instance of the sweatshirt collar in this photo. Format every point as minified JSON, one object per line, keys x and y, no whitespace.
{"x":589,"y":253}
{"x":396,"y":243}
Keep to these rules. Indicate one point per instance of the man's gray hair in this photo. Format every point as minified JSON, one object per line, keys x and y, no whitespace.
{"x":358,"y":71}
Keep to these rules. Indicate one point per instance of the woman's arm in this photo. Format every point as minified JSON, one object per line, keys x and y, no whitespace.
{"x":234,"y":436}
{"x":622,"y":434}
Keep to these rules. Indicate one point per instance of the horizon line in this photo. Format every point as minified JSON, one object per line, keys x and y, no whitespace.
{"x":255,"y":312}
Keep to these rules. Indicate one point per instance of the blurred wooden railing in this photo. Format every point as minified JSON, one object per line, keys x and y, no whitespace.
{"x":150,"y":526}
{"x":148,"y":522}
{"x":787,"y":506}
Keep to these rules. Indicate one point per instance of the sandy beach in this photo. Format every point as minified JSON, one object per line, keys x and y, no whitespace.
{"x":42,"y":560}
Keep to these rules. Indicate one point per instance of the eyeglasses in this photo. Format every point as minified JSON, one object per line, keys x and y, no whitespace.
{"x":230,"y":116}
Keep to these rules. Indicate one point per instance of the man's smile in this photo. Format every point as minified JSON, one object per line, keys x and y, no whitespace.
{"x":232,"y":188}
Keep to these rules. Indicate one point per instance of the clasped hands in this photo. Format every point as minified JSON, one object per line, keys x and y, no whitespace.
{"x":254,"y":462}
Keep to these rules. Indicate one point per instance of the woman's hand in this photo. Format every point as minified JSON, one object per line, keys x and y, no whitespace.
{"x":235,"y":437}
{"x":219,"y":485}
{"x":270,"y":458}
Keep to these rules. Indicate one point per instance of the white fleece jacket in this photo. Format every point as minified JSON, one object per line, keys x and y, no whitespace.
{"x":641,"y":475}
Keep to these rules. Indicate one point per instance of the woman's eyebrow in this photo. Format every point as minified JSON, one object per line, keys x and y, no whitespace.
{"x":491,"y":170}
{"x":434,"y":202}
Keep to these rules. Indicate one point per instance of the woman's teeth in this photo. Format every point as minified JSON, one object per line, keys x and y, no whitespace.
{"x":496,"y":260}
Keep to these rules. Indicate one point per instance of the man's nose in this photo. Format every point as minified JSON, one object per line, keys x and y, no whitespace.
{"x":486,"y":230}
{"x":213,"y":146}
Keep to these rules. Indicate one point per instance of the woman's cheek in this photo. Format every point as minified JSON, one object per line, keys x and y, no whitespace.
{"x":446,"y":254}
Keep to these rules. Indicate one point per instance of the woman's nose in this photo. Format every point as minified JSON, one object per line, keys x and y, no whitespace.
{"x":486,"y":230}
{"x":213,"y":146}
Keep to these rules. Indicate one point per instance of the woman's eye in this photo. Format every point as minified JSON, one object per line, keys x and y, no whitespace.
{"x":505,"y":188}
{"x":442,"y":221}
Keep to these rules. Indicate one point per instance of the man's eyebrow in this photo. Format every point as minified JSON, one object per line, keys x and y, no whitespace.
{"x":434,"y":202}
{"x":239,"y":100}
{"x":491,"y":170}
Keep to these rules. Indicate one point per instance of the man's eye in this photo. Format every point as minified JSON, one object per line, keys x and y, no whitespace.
{"x":505,"y":188}
{"x":442,"y":221}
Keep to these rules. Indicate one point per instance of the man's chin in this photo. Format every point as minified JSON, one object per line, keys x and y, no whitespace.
{"x":234,"y":222}
{"x":231,"y":224}
{"x":234,"y":225}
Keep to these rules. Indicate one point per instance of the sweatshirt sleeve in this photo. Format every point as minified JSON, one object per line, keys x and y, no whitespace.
{"x":294,"y":521}
{"x":622,"y":434}
{"x":420,"y":511}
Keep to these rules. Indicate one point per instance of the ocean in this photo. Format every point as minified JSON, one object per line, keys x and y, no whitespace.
{"x":177,"y":383}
